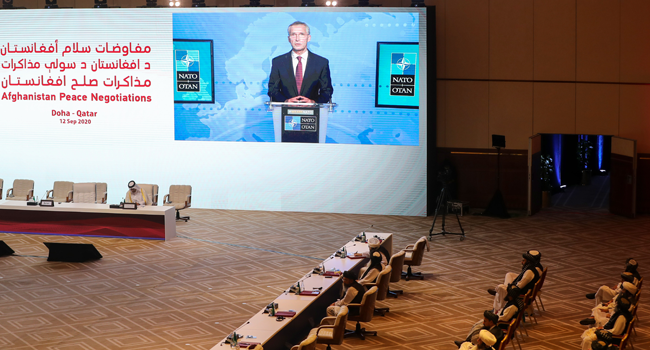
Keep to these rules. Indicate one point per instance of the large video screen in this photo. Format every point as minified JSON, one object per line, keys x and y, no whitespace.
{"x":181,"y":96}
{"x":246,"y":46}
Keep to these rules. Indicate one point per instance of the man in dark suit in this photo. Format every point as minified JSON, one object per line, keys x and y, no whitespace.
{"x":300,"y":76}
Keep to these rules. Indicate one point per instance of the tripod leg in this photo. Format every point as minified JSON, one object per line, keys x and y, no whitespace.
{"x":462,"y":237}
{"x":436,"y":212}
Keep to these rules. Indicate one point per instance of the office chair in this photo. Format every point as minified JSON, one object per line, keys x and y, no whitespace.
{"x":180,"y":196}
{"x":23,"y":190}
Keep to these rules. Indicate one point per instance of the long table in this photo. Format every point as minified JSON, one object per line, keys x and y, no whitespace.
{"x":309,"y":310}
{"x":88,"y":219}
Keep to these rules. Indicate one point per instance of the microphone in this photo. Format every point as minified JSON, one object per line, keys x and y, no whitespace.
{"x":230,"y":336}
{"x":368,"y":228}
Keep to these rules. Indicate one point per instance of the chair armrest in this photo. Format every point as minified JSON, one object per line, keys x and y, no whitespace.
{"x":295,"y":347}
{"x":12,"y":192}
{"x":328,"y":321}
{"x":354,"y":305}
{"x":410,"y":246}
{"x":104,"y":197}
{"x":48,"y":194}
{"x":406,"y":250}
{"x":155,"y":199}
{"x":30,"y":194}
{"x":69,"y":196}
{"x":188,"y":201}
{"x":165,"y":199}
{"x":0,"y":192}
{"x":323,"y":327}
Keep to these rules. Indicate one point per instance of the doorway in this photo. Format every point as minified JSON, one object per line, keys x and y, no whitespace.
{"x":582,"y":172}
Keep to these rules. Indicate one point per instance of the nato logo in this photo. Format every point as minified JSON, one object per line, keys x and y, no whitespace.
{"x":187,"y":70}
{"x":293,"y":123}
{"x":402,"y":73}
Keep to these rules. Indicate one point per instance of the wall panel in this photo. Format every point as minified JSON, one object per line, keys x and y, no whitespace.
{"x":597,"y":109}
{"x":511,"y":39}
{"x":555,"y":40}
{"x":441,"y":115}
{"x":635,"y":41}
{"x":635,"y":115}
{"x":554,"y":108}
{"x":467,"y":39}
{"x":511,"y":112}
{"x":466,"y":119}
{"x":598,"y":40}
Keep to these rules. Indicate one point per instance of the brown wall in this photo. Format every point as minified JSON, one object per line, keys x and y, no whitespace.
{"x":476,"y":175}
{"x":521,"y":67}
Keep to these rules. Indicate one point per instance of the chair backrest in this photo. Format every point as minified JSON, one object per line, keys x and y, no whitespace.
{"x":383,"y":281}
{"x":504,"y":341}
{"x":338,"y":333}
{"x":179,"y":193}
{"x":538,"y":285}
{"x":102,"y":192}
{"x":61,"y":190}
{"x":309,"y":343}
{"x":397,"y":264}
{"x":84,"y":192}
{"x":22,"y":188}
{"x":418,"y":253}
{"x":528,"y":298}
{"x":1,"y":183}
{"x":152,"y":191}
{"x":367,"y":308}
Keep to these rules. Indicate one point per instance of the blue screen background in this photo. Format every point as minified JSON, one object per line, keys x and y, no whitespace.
{"x":245,"y":44}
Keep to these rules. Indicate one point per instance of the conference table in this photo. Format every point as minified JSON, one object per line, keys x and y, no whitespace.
{"x":273,"y":334}
{"x":88,"y":219}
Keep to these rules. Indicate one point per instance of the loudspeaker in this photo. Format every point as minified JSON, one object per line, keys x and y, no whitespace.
{"x":498,"y":141}
{"x":4,"y":249}
{"x":72,"y":252}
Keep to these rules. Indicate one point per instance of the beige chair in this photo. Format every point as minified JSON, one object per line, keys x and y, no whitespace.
{"x":152,"y":191}
{"x":1,"y":183}
{"x":331,"y":330}
{"x":310,"y":342}
{"x":102,"y":192}
{"x":23,"y":190}
{"x":84,"y":192}
{"x":382,"y":287}
{"x":397,"y":264}
{"x":180,"y":196}
{"x":413,"y":257}
{"x":62,"y":191}
{"x":366,"y":311}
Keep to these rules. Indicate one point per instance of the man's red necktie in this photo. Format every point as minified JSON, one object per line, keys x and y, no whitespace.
{"x":299,"y":74}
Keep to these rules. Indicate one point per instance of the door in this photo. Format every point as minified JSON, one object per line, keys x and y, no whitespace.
{"x":622,"y":195}
{"x":534,"y":181}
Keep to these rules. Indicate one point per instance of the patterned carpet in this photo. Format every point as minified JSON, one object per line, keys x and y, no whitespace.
{"x":188,"y":293}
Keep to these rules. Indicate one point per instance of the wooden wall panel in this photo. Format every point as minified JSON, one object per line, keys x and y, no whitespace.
{"x":554,"y":108}
{"x":597,"y":109}
{"x":642,"y":184}
{"x":598,"y":40}
{"x":635,"y":115}
{"x":511,"y":112}
{"x":466,"y":39}
{"x":466,"y":119}
{"x":555,"y":40}
{"x":441,"y":92}
{"x":476,"y":173}
{"x":511,"y":39}
{"x":635,"y":41}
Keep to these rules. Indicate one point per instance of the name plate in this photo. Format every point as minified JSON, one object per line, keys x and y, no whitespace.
{"x":46,"y":203}
{"x":301,"y":111}
{"x":131,"y":206}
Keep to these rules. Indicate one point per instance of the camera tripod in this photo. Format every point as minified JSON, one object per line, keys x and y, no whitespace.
{"x":442,"y":205}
